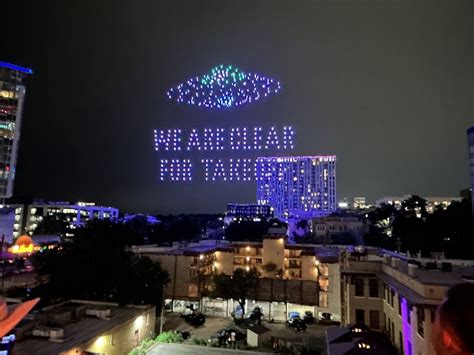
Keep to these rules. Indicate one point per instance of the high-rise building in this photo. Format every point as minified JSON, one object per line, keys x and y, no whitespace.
{"x":470,"y":141}
{"x":12,"y":94}
{"x":297,"y":187}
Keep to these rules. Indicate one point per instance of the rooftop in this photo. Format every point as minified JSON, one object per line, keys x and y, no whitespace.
{"x":16,"y":67}
{"x":357,"y":340}
{"x":77,"y":331}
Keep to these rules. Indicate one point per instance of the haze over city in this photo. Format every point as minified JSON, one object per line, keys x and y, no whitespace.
{"x":385,"y":86}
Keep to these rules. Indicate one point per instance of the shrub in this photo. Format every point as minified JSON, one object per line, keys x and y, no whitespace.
{"x":169,"y":337}
{"x":198,"y":341}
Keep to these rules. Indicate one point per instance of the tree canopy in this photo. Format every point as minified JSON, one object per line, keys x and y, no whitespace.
{"x":239,"y":286}
{"x":412,"y":228}
{"x":97,"y":265}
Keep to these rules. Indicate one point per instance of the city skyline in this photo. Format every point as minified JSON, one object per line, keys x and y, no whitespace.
{"x":390,"y":98}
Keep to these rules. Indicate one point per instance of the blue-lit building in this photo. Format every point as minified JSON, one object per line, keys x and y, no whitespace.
{"x":12,"y":95}
{"x":297,"y":187}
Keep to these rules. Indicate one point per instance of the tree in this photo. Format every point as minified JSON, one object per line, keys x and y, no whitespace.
{"x":239,"y":286}
{"x":55,"y":225}
{"x":246,"y":230}
{"x":97,"y":265}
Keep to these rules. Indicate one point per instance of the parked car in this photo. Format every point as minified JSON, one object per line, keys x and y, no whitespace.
{"x":195,"y":318}
{"x":253,"y":317}
{"x":296,"y":323}
{"x":308,"y":317}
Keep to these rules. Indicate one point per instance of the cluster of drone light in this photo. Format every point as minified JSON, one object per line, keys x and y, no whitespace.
{"x":225,"y":86}
{"x":170,"y":139}
{"x":217,"y":139}
{"x":175,"y":169}
{"x":233,"y":170}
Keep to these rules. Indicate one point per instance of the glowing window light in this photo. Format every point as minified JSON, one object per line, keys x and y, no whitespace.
{"x":224,"y":86}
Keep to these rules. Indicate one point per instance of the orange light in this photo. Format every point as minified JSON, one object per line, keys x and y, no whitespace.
{"x":21,"y":249}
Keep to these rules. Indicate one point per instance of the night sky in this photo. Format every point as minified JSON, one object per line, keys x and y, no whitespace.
{"x":384,"y":85}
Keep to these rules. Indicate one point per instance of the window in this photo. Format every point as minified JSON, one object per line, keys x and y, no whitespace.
{"x":410,"y":308}
{"x":323,"y":299}
{"x":421,"y":318}
{"x":373,"y":288}
{"x":392,"y":295}
{"x":359,"y":287}
{"x":393,"y":332}
{"x":360,"y":316}
{"x":374,"y":319}
{"x":399,"y":305}
{"x":400,"y":339}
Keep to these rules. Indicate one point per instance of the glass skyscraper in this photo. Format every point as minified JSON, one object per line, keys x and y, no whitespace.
{"x":297,"y":187}
{"x":12,"y":95}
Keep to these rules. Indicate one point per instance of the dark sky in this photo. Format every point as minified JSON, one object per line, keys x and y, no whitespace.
{"x":384,"y":85}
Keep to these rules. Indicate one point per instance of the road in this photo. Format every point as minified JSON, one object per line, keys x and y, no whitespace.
{"x":178,"y":349}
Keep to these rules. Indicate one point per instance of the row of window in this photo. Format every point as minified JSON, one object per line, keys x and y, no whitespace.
{"x":374,"y":318}
{"x":360,"y":287}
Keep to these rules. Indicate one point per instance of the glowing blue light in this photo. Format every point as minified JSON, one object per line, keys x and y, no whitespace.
{"x":218,"y":139}
{"x":224,"y":87}
{"x":16,"y":67}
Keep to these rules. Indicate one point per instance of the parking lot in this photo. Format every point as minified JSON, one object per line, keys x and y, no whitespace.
{"x":213,"y":324}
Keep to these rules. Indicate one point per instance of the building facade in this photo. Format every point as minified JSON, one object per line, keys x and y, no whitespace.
{"x":85,"y":327}
{"x":326,"y":228}
{"x":247,"y":211}
{"x":470,"y":142}
{"x":27,"y":217}
{"x":292,"y":277}
{"x":12,"y":96}
{"x":396,"y":295}
{"x":297,"y":187}
{"x":359,"y":203}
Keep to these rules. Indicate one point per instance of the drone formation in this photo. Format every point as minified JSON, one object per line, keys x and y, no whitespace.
{"x":224,"y":87}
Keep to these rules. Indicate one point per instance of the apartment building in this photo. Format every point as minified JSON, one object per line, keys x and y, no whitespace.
{"x":328,"y":227}
{"x":389,"y":292}
{"x":294,"y":277}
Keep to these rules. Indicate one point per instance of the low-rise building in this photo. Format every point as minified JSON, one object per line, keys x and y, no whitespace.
{"x":84,"y":327}
{"x":359,"y":203}
{"x":27,"y":217}
{"x":391,"y":293}
{"x":327,"y":228}
{"x":294,"y":277}
{"x":247,"y":211}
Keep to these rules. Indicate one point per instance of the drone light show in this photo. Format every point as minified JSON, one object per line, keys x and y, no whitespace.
{"x":212,"y":145}
{"x":219,"y":139}
{"x":225,"y":86}
{"x":220,"y":154}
